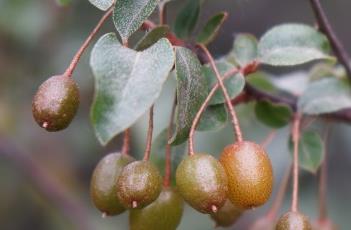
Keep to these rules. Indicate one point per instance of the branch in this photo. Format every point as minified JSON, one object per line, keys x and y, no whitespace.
{"x":326,"y":28}
{"x":252,"y":93}
{"x":68,"y":205}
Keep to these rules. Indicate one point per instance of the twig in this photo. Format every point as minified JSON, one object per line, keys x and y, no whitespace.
{"x":168,"y":166}
{"x":196,"y":120}
{"x":234,"y":117}
{"x":77,"y":56}
{"x":69,"y":206}
{"x":149,"y":135}
{"x":256,"y":94}
{"x":295,"y":137}
{"x":325,"y":27}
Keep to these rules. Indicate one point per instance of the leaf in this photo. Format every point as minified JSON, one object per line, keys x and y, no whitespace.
{"x":261,"y":81}
{"x":152,"y":37}
{"x":244,"y":49}
{"x":102,"y":4}
{"x":159,"y":150}
{"x":324,"y":70}
{"x":127,"y":83}
{"x":191,"y":92}
{"x":129,"y":15}
{"x":325,"y":96}
{"x":211,"y":29}
{"x":292,"y":44}
{"x":273,"y":115}
{"x":311,"y":151}
{"x":214,"y":118}
{"x":235,"y":84}
{"x":187,"y":19}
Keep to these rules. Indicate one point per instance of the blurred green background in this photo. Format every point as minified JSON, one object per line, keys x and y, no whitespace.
{"x":44,"y":177}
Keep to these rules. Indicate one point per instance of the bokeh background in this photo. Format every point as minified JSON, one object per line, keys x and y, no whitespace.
{"x":44,"y":177}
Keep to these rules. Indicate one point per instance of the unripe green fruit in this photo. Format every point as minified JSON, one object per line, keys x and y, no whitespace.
{"x":293,"y":221}
{"x":202,"y":182}
{"x":103,"y":183}
{"x":55,"y":103}
{"x":227,"y":215}
{"x":165,"y":213}
{"x":250,"y":174}
{"x":139,"y":184}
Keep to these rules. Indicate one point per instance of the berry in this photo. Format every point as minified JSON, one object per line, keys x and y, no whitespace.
{"x":202,"y":182}
{"x":103,"y":183}
{"x":250,"y":174}
{"x":56,"y":103}
{"x":165,"y":213}
{"x":293,"y":221}
{"x":227,"y":215}
{"x":139,"y":184}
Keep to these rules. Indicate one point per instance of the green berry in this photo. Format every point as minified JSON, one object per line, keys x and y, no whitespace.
{"x":139,"y":184}
{"x":103,"y":183}
{"x":293,"y":221}
{"x":55,"y":103}
{"x":250,"y":174}
{"x":202,"y":182}
{"x":165,"y":213}
{"x":227,"y":215}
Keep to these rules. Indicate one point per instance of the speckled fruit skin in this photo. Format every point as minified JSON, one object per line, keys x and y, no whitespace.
{"x":202,"y":182}
{"x":227,"y":215}
{"x":103,"y":183}
{"x":55,"y":103}
{"x":250,"y":174}
{"x":293,"y":221}
{"x":165,"y":213}
{"x":139,"y":181}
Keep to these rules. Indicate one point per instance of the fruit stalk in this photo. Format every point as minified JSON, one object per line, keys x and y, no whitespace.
{"x":295,"y":138}
{"x":323,"y":176}
{"x":162,"y":12}
{"x":196,"y":120}
{"x":126,"y":142}
{"x":78,"y":55}
{"x":149,"y":134}
{"x":272,"y":213}
{"x":167,"y":177}
{"x":234,"y":118}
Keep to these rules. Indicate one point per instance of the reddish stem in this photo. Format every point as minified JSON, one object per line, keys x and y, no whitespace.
{"x":162,"y":13}
{"x":78,"y":55}
{"x":149,"y":135}
{"x":296,"y":137}
{"x":268,"y":139}
{"x":234,"y":117}
{"x":203,"y":107}
{"x":126,"y":142}
{"x":277,"y":203}
{"x":168,"y":166}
